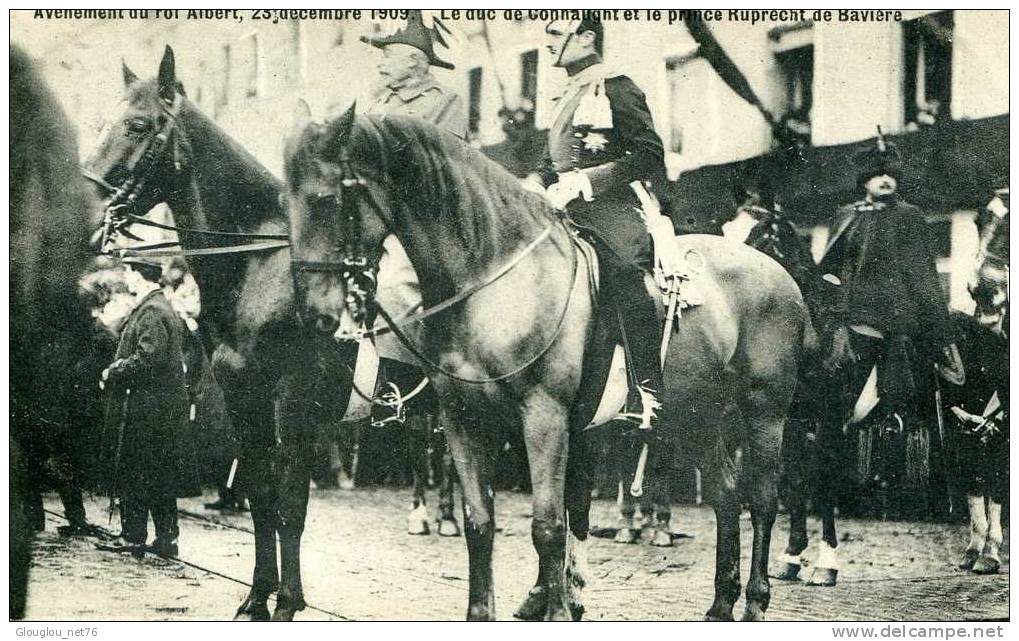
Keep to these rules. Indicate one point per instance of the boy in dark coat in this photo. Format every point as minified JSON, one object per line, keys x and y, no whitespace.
{"x":149,"y":451}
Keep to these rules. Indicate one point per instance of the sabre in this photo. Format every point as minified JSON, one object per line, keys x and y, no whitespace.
{"x":121,"y":426}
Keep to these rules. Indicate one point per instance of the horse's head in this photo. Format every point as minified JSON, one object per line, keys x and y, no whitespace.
{"x":139,"y":151}
{"x":989,"y":282}
{"x":337,"y":222}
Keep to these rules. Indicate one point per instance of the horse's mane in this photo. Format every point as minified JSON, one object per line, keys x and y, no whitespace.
{"x":436,"y":175}
{"x":50,"y":203}
{"x":261,"y":188}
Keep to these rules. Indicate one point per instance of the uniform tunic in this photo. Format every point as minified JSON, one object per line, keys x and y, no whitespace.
{"x":157,"y":453}
{"x":882,"y":254}
{"x":428,"y":100}
{"x":614,"y":147}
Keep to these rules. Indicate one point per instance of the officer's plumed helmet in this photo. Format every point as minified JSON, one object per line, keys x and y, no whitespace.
{"x":878,"y":159}
{"x":415,"y":34}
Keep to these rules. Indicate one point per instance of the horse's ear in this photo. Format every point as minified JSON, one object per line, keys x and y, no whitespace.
{"x":129,"y":76}
{"x":167,"y":76}
{"x":302,"y":118}
{"x":337,"y":131}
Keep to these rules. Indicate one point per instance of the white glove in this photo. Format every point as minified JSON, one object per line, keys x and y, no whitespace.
{"x":571,"y":185}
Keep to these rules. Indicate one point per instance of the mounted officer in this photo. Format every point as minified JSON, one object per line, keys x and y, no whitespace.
{"x":602,"y":140}
{"x":148,"y":448}
{"x":891,"y":314}
{"x":408,"y":87}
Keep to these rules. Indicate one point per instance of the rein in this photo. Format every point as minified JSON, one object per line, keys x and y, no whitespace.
{"x":124,"y":198}
{"x":435,"y":367}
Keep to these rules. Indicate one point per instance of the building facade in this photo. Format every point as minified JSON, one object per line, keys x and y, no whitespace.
{"x":936,"y":81}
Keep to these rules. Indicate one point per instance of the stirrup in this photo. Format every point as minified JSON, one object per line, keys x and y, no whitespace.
{"x":649,"y":405}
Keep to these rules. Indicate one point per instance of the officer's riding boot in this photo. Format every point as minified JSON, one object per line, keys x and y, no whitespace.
{"x":642,"y":342}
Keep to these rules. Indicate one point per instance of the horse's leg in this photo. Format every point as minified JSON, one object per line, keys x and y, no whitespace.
{"x":662,"y":536}
{"x":298,"y":421}
{"x":447,"y":481}
{"x":472,"y":454}
{"x":761,"y":464}
{"x":258,"y":472}
{"x":719,"y":476}
{"x":546,"y":434}
{"x":629,"y":531}
{"x":417,"y":425}
{"x":795,"y":484}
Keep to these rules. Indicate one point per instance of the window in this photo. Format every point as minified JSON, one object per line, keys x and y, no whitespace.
{"x":677,"y":83}
{"x":223,"y":97}
{"x":528,"y":84}
{"x":474,"y":103}
{"x":797,"y":68}
{"x":251,"y":57}
{"x":927,"y":65}
{"x":297,"y":62}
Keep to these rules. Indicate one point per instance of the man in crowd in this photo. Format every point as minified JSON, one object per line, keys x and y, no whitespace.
{"x":892,"y":317}
{"x":148,"y":448}
{"x":601,"y":140}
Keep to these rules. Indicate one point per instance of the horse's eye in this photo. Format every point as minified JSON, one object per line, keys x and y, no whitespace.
{"x":137,"y":125}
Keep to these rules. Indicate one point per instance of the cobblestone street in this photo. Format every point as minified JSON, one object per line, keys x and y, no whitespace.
{"x":359,"y":564}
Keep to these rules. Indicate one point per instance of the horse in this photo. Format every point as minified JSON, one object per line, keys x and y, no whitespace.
{"x":813,"y":445}
{"x":280,"y":383}
{"x":509,"y":320}
{"x":981,"y":434}
{"x":49,"y":216}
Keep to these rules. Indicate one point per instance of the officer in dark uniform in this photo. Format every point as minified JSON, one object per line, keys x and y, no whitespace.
{"x":890,"y":311}
{"x":601,"y":140}
{"x":148,"y":448}
{"x":409,"y":88}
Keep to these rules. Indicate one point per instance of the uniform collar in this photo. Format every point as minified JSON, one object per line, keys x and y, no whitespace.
{"x":408,"y":93}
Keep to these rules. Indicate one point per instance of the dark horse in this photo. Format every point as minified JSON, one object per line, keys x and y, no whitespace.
{"x":49,"y":217}
{"x":280,"y":384}
{"x":518,"y":325}
{"x":813,"y":446}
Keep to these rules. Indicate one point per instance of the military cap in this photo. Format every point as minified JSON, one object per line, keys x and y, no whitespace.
{"x":416,"y":35}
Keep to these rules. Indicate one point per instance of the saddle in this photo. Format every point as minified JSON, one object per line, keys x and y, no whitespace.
{"x":604,"y":386}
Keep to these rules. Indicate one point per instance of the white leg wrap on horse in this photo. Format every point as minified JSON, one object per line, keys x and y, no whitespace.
{"x":977,"y":522}
{"x":994,"y":534}
{"x":827,"y":556}
{"x":580,"y":570}
{"x":417,"y":520}
{"x":789,"y":559}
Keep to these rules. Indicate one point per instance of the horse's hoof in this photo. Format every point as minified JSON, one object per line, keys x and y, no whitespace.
{"x":788,"y":569}
{"x":252,"y":611}
{"x":534,"y":606}
{"x":969,"y":559}
{"x":627,"y":535}
{"x":986,"y":565}
{"x":417,"y":521}
{"x":753,"y":613}
{"x":449,"y":527}
{"x":418,"y":527}
{"x":661,"y":538}
{"x":825,"y":577}
{"x":346,"y":483}
{"x":711,"y":616}
{"x":283,"y":614}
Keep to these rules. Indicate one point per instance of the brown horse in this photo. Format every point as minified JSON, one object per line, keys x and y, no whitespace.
{"x":814,"y":449}
{"x":49,"y":216}
{"x":515,"y":342}
{"x":281,"y":385}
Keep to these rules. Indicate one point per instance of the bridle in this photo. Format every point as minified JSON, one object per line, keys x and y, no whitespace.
{"x":121,"y":209}
{"x":358,"y":274}
{"x":354,"y":269}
